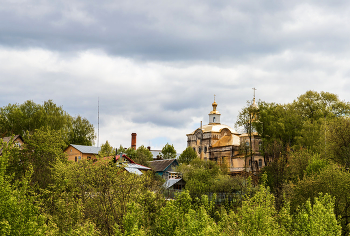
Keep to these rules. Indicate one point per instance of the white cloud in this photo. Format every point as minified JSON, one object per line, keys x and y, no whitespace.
{"x":162,"y":101}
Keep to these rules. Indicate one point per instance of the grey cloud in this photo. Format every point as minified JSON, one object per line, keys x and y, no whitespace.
{"x":157,"y":30}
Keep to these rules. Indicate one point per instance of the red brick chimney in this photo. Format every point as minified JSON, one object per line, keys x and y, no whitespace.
{"x":133,"y":141}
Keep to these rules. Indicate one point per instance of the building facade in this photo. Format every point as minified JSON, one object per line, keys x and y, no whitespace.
{"x":81,"y":152}
{"x":221,"y":143}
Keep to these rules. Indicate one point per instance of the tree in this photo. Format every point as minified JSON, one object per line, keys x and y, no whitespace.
{"x":103,"y":195}
{"x":143,"y":156}
{"x":131,"y":153}
{"x":168,"y":152}
{"x":187,"y":155}
{"x":121,"y":149}
{"x":337,"y":140}
{"x":42,"y":150}
{"x":81,"y":132}
{"x":106,"y":150}
{"x":245,"y":119}
{"x":24,"y":119}
{"x":20,"y":207}
{"x":330,"y":180}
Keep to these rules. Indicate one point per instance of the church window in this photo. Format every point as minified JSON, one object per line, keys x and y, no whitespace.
{"x":260,"y":162}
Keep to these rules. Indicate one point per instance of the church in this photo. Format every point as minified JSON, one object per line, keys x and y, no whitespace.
{"x":222,"y":144}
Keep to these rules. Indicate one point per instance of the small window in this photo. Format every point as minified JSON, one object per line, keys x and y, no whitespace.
{"x":76,"y":159}
{"x":89,"y":158}
{"x":250,"y":162}
{"x":247,"y":144}
{"x":205,"y":149}
{"x":70,"y":150}
{"x":199,"y":150}
{"x":214,"y":119}
{"x":79,"y":158}
{"x":194,"y":149}
{"x":260,"y":162}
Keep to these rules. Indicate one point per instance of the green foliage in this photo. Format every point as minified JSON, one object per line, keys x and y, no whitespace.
{"x":81,"y":131}
{"x":187,"y":155}
{"x":317,"y":219}
{"x":168,"y":152}
{"x":120,"y":149}
{"x":20,"y":213}
{"x":106,"y":150}
{"x":257,"y":216}
{"x":102,"y":194}
{"x":131,"y":153}
{"x":143,"y":156}
{"x":24,"y":119}
{"x":206,"y":177}
{"x":328,"y":180}
{"x":337,"y":140}
{"x":42,"y":150}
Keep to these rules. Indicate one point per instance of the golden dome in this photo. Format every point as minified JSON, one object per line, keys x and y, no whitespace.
{"x":214,"y":111}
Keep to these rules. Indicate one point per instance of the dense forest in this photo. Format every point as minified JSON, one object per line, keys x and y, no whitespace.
{"x":302,"y":190}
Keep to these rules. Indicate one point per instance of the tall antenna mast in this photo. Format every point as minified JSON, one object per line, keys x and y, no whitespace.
{"x":98,"y":121}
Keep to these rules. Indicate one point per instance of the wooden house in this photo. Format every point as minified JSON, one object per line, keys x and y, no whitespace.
{"x":81,"y":152}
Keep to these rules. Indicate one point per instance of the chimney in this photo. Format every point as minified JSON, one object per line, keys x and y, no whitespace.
{"x":133,"y":141}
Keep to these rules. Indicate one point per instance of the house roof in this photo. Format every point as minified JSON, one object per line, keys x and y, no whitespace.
{"x":137,"y":166}
{"x":133,"y":170}
{"x":224,"y":141}
{"x":86,"y":149}
{"x":214,"y":128}
{"x":7,"y":139}
{"x":161,"y":165}
{"x":171,"y":182}
{"x":247,"y":135}
{"x":125,"y":156}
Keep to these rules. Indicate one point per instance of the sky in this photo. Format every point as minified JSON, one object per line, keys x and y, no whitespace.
{"x":154,"y":66}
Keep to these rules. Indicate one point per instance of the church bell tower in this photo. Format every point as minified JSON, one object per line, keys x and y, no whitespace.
{"x":214,"y":115}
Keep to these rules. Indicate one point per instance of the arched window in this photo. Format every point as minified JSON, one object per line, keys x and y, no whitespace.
{"x":205,"y":149}
{"x":199,"y":150}
{"x":214,"y":119}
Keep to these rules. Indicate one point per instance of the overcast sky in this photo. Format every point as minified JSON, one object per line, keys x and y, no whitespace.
{"x":156,"y":65}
